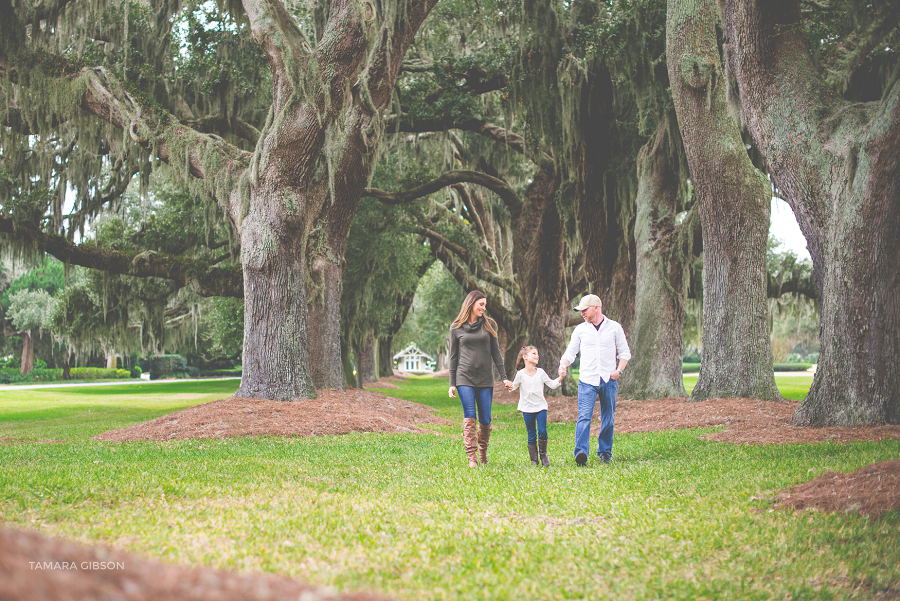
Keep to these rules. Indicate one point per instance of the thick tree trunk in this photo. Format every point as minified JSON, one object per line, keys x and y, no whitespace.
{"x":838,"y":165}
{"x":539,"y":261}
{"x":350,"y":376}
{"x":325,"y":322}
{"x":385,"y":357}
{"x":276,"y":361}
{"x":733,"y":200}
{"x":365,"y":363}
{"x":602,"y":211}
{"x":663,"y":263}
{"x":27,"y":362}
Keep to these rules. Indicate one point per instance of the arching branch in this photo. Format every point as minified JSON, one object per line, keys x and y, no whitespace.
{"x":205,"y":155}
{"x":413,"y":125}
{"x":277,"y":34}
{"x":450,"y":178}
{"x":222,"y":280}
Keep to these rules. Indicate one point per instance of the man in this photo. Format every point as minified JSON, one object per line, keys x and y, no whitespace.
{"x":601,"y":342}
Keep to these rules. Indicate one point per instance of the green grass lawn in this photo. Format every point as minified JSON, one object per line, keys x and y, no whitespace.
{"x":792,"y":386}
{"x":672,"y":517}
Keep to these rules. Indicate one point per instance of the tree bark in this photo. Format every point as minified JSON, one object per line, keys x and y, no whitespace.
{"x":540,"y":270}
{"x":837,"y":164}
{"x":733,"y":200}
{"x":385,"y":357}
{"x":664,"y":254}
{"x":366,"y":362}
{"x":27,"y":361}
{"x":603,"y":207}
{"x":276,"y":361}
{"x":326,"y":274}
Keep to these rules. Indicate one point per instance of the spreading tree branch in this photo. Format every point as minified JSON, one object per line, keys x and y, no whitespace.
{"x":206,"y":280}
{"x":450,"y":178}
{"x":413,"y":125}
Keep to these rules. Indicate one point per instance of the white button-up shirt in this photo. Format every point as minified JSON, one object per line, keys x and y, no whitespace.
{"x":600,"y":350}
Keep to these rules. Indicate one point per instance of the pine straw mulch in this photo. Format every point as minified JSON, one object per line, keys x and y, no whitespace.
{"x":73,"y":572}
{"x":871,"y":490}
{"x":333,"y":412}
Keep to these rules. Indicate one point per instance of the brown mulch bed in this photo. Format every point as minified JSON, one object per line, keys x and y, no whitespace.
{"x":870,"y":490}
{"x":72,"y":572}
{"x":333,"y":412}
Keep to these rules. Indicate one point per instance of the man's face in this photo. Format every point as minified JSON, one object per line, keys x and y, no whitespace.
{"x":590,"y":313}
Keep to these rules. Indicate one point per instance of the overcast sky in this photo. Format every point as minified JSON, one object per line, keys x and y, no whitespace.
{"x":784,"y":227}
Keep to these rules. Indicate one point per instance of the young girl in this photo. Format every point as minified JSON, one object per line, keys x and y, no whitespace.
{"x":530,"y":380}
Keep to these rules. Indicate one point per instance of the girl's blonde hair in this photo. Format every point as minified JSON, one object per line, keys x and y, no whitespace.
{"x":520,"y":360}
{"x":465,"y":312}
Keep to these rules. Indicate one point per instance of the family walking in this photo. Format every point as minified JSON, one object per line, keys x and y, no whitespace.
{"x":474,"y":350}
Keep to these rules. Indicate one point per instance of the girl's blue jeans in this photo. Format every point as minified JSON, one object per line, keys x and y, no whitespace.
{"x":536,"y":425}
{"x":476,"y":400}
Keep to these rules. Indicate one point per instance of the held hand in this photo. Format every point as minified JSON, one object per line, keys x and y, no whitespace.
{"x":561,"y":371}
{"x":508,"y":384}
{"x":452,"y":391}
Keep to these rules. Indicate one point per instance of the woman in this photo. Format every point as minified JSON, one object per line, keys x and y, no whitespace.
{"x":473,"y":347}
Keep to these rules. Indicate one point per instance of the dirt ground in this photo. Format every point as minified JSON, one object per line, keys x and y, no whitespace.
{"x":871,"y":490}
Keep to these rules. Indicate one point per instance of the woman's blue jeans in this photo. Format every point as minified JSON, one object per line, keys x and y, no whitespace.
{"x":536,"y":425}
{"x":476,"y":399}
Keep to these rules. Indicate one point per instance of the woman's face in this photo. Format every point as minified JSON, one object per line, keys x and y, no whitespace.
{"x":478,"y":307}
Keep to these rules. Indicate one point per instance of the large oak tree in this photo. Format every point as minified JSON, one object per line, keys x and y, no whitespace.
{"x":315,"y":149}
{"x":836,"y":160}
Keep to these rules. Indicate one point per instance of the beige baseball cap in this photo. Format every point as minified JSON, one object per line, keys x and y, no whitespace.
{"x":589,"y":300}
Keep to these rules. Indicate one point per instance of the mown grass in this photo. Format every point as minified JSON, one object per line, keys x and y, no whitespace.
{"x":81,"y":412}
{"x":791,"y":386}
{"x":673,"y":516}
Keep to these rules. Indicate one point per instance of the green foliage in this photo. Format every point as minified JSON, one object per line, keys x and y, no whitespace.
{"x":38,"y":374}
{"x":437,"y":301}
{"x":792,"y":366}
{"x":223,"y":325}
{"x":166,"y":365}
{"x":48,"y":277}
{"x":383,"y":258}
{"x":99,"y":373}
{"x":31,"y":309}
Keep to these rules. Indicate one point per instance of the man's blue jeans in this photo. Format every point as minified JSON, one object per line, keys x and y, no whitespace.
{"x":469,"y":397}
{"x":587,"y":396}
{"x":535,"y":425}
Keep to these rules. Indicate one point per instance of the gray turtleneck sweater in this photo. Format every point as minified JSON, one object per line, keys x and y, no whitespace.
{"x":471,"y":349}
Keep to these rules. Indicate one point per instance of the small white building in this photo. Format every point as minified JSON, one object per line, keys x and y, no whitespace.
{"x":412,"y":360}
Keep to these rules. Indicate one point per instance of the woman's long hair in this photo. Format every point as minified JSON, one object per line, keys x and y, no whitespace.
{"x":465,"y":312}
{"x":520,"y":360}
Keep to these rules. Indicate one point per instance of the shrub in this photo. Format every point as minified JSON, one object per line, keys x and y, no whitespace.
{"x":166,"y":365}
{"x":98,"y":373}
{"x":136,"y":372}
{"x":690,"y":368}
{"x":9,"y":375}
{"x":792,"y":366}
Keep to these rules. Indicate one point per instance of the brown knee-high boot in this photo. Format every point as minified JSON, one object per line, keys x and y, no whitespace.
{"x":470,"y":440}
{"x":533,"y":454}
{"x":542,"y":450}
{"x":484,"y":435}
